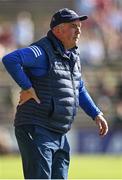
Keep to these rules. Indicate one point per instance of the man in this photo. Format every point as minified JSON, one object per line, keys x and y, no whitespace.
{"x":49,"y":74}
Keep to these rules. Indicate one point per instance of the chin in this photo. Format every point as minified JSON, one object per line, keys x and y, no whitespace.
{"x":76,"y":42}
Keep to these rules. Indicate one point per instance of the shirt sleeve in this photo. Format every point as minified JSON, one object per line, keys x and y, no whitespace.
{"x":26,"y":57}
{"x":86,"y":102}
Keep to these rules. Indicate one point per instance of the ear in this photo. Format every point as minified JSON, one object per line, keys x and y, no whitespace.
{"x":57,"y":30}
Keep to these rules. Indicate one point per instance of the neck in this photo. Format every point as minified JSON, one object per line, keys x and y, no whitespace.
{"x":67,"y":45}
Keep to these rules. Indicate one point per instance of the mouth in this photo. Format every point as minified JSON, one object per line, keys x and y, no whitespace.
{"x":76,"y":38}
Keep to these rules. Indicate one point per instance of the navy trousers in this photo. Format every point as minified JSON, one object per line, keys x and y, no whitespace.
{"x":45,"y":154}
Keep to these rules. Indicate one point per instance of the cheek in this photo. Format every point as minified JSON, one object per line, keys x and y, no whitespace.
{"x":69,"y":33}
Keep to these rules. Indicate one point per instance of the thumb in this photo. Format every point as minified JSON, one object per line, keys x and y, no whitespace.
{"x":99,"y":126}
{"x":37,"y":99}
{"x":33,"y":95}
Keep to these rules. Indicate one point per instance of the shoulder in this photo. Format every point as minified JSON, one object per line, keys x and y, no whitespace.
{"x":33,"y":51}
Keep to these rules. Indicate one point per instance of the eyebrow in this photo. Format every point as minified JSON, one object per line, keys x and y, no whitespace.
{"x":76,"y":24}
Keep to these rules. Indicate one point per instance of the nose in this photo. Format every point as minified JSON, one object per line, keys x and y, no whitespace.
{"x":78,"y":30}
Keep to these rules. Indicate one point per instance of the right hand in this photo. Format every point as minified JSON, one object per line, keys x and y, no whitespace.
{"x":25,"y":95}
{"x":102,"y":124}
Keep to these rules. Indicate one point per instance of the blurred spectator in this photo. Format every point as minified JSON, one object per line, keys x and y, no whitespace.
{"x":2,"y":51}
{"x":6,"y":34}
{"x":104,"y":31}
{"x":118,"y":116}
{"x":5,"y":141}
{"x":85,"y":6}
{"x":7,"y":41}
{"x":117,"y":121}
{"x":92,"y":50}
{"x":119,"y":87}
{"x":24,"y":29}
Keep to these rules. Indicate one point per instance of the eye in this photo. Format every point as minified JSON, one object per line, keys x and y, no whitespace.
{"x":76,"y":26}
{"x":73,"y":25}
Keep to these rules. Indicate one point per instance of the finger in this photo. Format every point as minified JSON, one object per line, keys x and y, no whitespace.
{"x":21,"y":102}
{"x":105,"y":127}
{"x":103,"y":131}
{"x":33,"y":95}
{"x":36,"y":99}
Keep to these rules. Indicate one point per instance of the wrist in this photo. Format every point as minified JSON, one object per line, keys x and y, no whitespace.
{"x":99,"y":115}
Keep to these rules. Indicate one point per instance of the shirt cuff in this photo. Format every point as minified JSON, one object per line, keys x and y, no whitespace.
{"x":99,"y":114}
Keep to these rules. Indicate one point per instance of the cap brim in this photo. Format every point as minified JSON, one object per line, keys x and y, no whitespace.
{"x":82,"y":18}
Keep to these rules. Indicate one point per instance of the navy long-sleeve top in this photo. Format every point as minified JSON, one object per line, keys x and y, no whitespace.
{"x":37,"y":60}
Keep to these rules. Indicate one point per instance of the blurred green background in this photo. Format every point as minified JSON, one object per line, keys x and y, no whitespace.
{"x":81,"y":167}
{"x":100,"y":45}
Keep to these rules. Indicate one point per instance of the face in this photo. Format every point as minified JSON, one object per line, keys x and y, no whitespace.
{"x":70,"y":33}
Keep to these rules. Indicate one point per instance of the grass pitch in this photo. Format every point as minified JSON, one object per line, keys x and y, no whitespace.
{"x":81,"y":167}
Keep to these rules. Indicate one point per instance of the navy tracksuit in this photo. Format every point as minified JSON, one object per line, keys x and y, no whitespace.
{"x":45,"y":154}
{"x":41,"y":128}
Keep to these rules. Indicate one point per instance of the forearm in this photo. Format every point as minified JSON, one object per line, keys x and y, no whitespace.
{"x":12,"y":64}
{"x":87,"y":104}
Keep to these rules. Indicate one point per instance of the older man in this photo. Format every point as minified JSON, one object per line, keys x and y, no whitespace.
{"x":49,"y":73}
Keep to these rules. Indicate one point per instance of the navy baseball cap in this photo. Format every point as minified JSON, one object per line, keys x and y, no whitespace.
{"x":65,"y":15}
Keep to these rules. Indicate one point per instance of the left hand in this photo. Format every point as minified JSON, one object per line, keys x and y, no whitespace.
{"x":102,"y":124}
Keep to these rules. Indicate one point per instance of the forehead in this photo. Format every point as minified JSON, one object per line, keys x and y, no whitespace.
{"x":75,"y":23}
